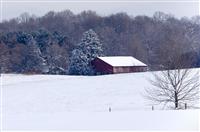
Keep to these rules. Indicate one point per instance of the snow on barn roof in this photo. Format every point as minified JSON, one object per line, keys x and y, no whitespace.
{"x":122,"y":61}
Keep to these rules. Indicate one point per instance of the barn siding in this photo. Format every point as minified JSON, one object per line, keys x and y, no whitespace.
{"x":101,"y":66}
{"x":129,"y":69}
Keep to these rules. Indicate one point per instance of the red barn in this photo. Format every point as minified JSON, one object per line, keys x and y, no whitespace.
{"x":118,"y":64}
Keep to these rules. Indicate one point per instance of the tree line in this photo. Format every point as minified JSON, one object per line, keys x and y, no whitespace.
{"x":31,"y":44}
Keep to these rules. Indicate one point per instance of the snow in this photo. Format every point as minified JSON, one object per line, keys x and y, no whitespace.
{"x":122,"y":61}
{"x":55,"y":102}
{"x":137,"y":120}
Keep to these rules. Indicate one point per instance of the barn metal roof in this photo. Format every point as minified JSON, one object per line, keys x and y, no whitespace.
{"x":122,"y":61}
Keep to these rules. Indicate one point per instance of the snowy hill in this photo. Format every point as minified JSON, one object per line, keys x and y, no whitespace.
{"x":47,"y":102}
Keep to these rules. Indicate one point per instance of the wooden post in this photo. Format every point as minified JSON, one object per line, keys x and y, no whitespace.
{"x":109,"y":109}
{"x":185,"y":106}
{"x":152,"y":107}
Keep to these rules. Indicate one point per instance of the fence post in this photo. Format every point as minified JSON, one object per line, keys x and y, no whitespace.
{"x":185,"y":106}
{"x":109,"y":109}
{"x":152,"y":107}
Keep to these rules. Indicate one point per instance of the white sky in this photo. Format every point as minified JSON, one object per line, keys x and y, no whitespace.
{"x":12,"y":8}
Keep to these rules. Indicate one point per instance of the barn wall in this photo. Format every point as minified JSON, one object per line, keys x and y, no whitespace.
{"x":129,"y":69}
{"x":101,"y":66}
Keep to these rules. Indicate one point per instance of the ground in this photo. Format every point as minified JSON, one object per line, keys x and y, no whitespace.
{"x":53,"y":102}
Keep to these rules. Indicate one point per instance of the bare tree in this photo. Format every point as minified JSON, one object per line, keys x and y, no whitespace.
{"x":174,"y":87}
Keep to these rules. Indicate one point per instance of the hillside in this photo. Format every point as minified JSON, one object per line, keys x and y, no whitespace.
{"x":51,"y":102}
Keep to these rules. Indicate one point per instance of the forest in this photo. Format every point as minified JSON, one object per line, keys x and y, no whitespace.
{"x":43,"y":45}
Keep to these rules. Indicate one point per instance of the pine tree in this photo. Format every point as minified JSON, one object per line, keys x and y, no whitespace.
{"x":33,"y":60}
{"x":87,"y":50}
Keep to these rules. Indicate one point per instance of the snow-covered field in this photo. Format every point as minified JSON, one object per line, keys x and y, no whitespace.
{"x":41,"y":102}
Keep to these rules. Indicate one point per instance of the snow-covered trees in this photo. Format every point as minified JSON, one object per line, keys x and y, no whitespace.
{"x":89,"y":48}
{"x":154,"y":40}
{"x":33,"y":61}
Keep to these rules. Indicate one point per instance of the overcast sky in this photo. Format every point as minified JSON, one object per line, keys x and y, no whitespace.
{"x":178,"y":9}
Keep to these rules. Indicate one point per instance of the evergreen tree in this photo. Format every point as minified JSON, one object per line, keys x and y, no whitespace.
{"x":87,"y":50}
{"x":33,"y":60}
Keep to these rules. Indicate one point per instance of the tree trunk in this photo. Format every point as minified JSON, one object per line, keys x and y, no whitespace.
{"x":176,"y":100}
